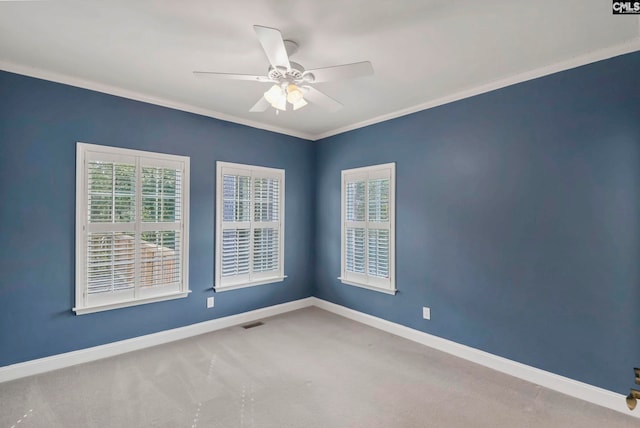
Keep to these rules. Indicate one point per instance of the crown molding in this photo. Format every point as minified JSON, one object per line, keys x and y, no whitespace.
{"x":138,"y":96}
{"x":577,"y":61}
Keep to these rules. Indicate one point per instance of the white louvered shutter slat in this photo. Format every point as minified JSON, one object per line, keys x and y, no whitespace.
{"x":378,"y":233}
{"x":355,"y":249}
{"x":378,"y":253}
{"x":267,"y":198}
{"x":160,"y":245}
{"x":160,"y":258}
{"x":265,"y":253}
{"x":266,"y":210}
{"x":110,"y":256}
{"x":378,"y":208}
{"x":355,"y":216}
{"x":110,"y":262}
{"x":236,"y":239}
{"x":355,"y":201}
{"x":235,"y":252}
{"x":237,"y":198}
{"x":110,"y":192}
{"x":161,"y":195}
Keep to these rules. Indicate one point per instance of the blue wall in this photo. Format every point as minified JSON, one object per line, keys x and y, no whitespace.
{"x":517,"y":221}
{"x":517,"y":218}
{"x":40,"y":123}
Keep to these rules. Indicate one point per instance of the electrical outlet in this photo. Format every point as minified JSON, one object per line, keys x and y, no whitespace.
{"x":426,"y":313}
{"x":209,"y":302}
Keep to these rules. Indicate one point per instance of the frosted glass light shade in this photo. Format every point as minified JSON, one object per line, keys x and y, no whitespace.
{"x":294,"y":94}
{"x":276,"y":97}
{"x":299,"y":104}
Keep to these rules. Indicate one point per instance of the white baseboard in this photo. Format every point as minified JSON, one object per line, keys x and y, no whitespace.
{"x":55,"y":362}
{"x":574,"y":388}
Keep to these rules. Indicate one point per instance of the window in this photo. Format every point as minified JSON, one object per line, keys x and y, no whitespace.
{"x":132,"y":227}
{"x":368,"y":227}
{"x":249,"y":226}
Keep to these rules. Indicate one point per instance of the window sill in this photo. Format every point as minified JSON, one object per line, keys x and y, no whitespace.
{"x":220,"y":288}
{"x":368,"y":287}
{"x":117,"y":305}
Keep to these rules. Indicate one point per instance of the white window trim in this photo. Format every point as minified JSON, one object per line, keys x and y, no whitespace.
{"x":252,"y":171}
{"x":364,"y":280}
{"x":82,"y":151}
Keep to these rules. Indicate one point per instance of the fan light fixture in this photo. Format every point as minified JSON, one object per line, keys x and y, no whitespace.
{"x":295,"y":97}
{"x":278,"y":97}
{"x":291,"y":82}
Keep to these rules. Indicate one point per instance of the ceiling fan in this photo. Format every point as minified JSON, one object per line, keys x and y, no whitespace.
{"x":291,"y":82}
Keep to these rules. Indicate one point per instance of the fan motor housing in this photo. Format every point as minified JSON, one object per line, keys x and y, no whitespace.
{"x":295,"y":73}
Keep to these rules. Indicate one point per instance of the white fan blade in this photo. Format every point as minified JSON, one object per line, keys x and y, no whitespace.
{"x":231,"y":76}
{"x":261,"y":105}
{"x":273,"y":45}
{"x":339,"y":72}
{"x":323,"y":100}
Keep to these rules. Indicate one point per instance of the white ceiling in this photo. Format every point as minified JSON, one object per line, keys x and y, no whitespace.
{"x":424,"y":52}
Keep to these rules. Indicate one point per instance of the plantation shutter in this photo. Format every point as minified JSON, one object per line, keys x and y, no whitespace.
{"x":161,"y":244}
{"x":249,"y":218}
{"x":367,"y":229}
{"x":378,"y":227}
{"x":355,"y":225}
{"x":266,"y":227}
{"x":110,"y":229}
{"x":236,"y":226}
{"x":131,"y":231}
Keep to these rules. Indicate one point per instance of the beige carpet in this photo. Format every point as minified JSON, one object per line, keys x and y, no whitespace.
{"x":308,"y":368}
